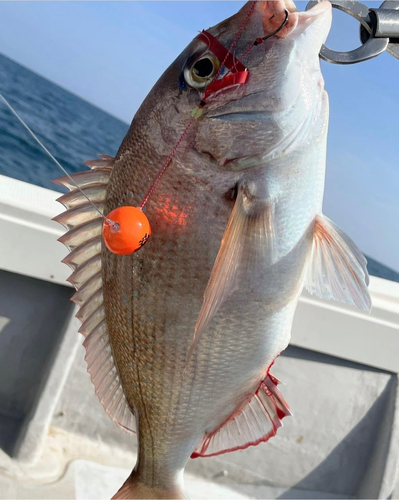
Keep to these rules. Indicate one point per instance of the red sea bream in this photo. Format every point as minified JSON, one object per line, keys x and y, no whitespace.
{"x":180,"y":335}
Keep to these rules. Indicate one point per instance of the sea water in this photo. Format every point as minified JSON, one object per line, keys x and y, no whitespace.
{"x":72,"y":129}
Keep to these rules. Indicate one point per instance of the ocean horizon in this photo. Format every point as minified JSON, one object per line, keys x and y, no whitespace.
{"x":72,"y":129}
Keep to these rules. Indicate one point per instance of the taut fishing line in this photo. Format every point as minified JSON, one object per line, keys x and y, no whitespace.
{"x":7,"y":103}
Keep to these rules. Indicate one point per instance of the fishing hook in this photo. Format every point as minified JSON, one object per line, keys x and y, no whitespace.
{"x":261,"y":39}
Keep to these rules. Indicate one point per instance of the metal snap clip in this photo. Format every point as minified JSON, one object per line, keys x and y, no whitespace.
{"x":373,"y":45}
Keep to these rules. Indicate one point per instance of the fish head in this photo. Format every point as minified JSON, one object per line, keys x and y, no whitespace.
{"x":242,"y":121}
{"x":283,"y":89}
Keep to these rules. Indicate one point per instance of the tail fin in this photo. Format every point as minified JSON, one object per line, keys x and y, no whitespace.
{"x":133,"y":488}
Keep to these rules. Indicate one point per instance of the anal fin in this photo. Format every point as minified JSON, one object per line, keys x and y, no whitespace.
{"x":256,"y":423}
{"x":337,"y":268}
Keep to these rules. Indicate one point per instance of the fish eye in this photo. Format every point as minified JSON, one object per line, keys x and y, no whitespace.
{"x":203,"y":68}
{"x":202,"y":71}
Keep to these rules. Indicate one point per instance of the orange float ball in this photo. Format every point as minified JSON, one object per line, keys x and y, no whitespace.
{"x":128,"y":232}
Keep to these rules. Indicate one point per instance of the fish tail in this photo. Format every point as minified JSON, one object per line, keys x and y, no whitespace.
{"x":134,"y":488}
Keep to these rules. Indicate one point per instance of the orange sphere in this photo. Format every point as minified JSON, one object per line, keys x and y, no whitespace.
{"x":128,"y":233}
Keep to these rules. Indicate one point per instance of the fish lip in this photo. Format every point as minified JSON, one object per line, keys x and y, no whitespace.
{"x":319,"y":17}
{"x":309,"y":17}
{"x":317,"y":10}
{"x":290,"y":6}
{"x":273,"y":15}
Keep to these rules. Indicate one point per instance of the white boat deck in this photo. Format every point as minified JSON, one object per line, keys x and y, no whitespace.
{"x":56,"y":441}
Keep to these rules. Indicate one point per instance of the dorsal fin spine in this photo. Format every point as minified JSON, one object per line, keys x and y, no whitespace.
{"x":84,"y":241}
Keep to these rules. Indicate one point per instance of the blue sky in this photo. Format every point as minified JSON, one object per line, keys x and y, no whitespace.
{"x":111,"y":53}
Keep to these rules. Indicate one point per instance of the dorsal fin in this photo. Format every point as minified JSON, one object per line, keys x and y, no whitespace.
{"x":255,"y":423}
{"x":84,"y":242}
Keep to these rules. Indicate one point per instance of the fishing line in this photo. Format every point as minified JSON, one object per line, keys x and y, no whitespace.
{"x":197,"y":114}
{"x":165,"y":165}
{"x":6,"y":102}
{"x":262,"y":39}
{"x":236,"y":38}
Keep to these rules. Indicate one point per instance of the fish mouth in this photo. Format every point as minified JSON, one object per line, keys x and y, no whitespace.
{"x":274,"y":13}
{"x":244,"y":114}
{"x":290,"y":6}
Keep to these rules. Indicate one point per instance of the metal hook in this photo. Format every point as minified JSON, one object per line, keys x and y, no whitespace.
{"x":263,"y":38}
{"x":279,"y":28}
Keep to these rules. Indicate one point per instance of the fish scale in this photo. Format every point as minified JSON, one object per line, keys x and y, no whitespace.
{"x":166,"y":301}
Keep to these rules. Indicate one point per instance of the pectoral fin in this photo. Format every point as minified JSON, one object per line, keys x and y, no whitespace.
{"x":337,"y":268}
{"x":249,"y":239}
